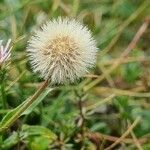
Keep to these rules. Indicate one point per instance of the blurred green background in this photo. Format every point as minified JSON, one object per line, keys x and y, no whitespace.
{"x":81,"y":116}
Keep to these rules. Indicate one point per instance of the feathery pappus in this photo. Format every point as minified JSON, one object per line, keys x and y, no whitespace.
{"x":62,"y":51}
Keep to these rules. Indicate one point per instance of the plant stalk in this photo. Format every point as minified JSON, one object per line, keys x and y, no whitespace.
{"x":26,"y":105}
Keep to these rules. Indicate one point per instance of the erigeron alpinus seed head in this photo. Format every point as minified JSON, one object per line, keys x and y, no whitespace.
{"x":62,"y":51}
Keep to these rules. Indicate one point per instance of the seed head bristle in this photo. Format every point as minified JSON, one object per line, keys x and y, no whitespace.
{"x":62,"y":51}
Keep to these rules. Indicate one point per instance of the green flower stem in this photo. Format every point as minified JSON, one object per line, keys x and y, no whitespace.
{"x":26,"y":105}
{"x":3,"y":96}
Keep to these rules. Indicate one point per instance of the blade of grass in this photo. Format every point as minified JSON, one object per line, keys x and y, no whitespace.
{"x":12,"y":83}
{"x":125,"y":134}
{"x":124,"y":25}
{"x":106,"y":100}
{"x":24,"y":108}
{"x":125,"y":53}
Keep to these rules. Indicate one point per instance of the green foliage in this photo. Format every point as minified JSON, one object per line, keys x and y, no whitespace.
{"x":12,"y":115}
{"x":35,"y":137}
{"x":131,"y":72}
{"x":55,"y":120}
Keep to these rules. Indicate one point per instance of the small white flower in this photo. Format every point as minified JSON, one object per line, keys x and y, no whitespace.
{"x":5,"y":52}
{"x":62,"y":51}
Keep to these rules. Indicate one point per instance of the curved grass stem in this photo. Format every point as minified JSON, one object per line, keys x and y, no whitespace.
{"x":24,"y":106}
{"x":3,"y":96}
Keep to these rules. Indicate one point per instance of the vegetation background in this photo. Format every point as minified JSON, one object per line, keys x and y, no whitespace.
{"x":107,"y":109}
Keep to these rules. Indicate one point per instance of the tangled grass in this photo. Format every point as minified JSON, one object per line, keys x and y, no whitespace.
{"x":107,"y":109}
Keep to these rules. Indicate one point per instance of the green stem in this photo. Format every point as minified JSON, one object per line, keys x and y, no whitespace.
{"x":26,"y":105}
{"x":3,"y":96}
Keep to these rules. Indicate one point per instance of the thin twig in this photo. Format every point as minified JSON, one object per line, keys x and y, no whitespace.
{"x":114,"y":138}
{"x":123,"y":26}
{"x":122,"y":56}
{"x":127,"y":60}
{"x":136,"y":141}
{"x":106,"y":90}
{"x":12,"y":83}
{"x":82,"y":117}
{"x":106,"y":100}
{"x":108,"y":77}
{"x":125,"y":134}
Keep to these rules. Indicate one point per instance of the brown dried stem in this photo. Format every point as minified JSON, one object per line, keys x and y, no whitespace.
{"x":125,"y":53}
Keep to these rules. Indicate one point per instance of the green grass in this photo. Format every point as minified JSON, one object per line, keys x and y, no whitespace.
{"x":110,"y":102}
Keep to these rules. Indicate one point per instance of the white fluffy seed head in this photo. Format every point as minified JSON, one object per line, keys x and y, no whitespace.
{"x":62,"y":51}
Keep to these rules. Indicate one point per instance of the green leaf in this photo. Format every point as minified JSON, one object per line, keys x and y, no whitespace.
{"x":39,"y":143}
{"x":146,"y":146}
{"x":38,"y":137}
{"x":31,"y":134}
{"x":31,"y":131}
{"x":131,"y":72}
{"x":10,"y":141}
{"x":35,"y":103}
{"x":9,"y":117}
